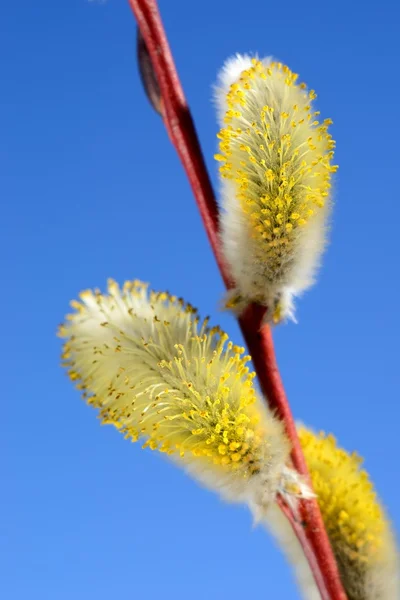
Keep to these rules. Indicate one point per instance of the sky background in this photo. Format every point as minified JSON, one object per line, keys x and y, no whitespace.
{"x":90,"y":188}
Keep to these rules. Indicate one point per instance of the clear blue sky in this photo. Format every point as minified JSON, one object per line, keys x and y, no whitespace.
{"x":91,"y":188}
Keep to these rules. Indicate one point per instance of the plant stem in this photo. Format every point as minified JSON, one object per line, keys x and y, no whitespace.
{"x":179,"y":123}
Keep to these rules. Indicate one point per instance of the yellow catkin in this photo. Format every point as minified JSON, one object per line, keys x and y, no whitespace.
{"x":277,"y":157}
{"x":158,"y":374}
{"x":356,"y":523}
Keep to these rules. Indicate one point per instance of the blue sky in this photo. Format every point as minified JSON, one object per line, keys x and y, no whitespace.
{"x":91,"y":188}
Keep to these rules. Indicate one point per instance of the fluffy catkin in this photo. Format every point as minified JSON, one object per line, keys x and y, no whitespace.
{"x":275,"y":169}
{"x":157,"y":373}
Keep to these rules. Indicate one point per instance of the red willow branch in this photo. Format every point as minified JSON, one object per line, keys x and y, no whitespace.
{"x":179,"y":123}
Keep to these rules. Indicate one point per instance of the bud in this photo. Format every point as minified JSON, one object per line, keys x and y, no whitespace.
{"x":275,"y":168}
{"x":157,"y":373}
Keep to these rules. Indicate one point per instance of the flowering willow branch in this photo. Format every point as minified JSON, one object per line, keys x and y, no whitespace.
{"x":177,"y":118}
